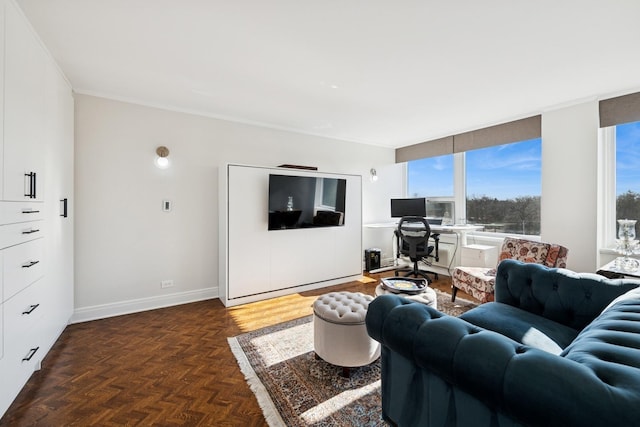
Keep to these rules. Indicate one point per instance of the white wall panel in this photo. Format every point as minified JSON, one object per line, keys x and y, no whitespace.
{"x":261,"y":261}
{"x":569,"y":186}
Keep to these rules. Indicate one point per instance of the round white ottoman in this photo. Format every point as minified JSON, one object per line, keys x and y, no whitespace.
{"x":339,"y":332}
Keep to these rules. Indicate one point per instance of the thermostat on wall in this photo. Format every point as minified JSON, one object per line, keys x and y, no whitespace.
{"x":166,"y":205}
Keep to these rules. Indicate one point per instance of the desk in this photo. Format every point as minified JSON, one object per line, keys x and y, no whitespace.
{"x":460,"y":230}
{"x":380,"y":235}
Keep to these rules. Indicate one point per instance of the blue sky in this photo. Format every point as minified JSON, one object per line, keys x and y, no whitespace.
{"x":628,"y":158}
{"x":504,"y":172}
{"x":513,"y":170}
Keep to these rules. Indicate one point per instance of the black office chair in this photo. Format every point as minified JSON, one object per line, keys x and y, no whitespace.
{"x":412,"y":236}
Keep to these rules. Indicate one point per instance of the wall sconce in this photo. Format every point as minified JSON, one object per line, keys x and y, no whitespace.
{"x":373,"y":175}
{"x":162,"y":160}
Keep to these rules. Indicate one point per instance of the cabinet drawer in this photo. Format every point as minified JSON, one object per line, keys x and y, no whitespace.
{"x":25,"y":343}
{"x":12,"y":212}
{"x":22,"y":265}
{"x":1,"y":330}
{"x":23,"y":311}
{"x":14,"y":234}
{"x":16,"y":372}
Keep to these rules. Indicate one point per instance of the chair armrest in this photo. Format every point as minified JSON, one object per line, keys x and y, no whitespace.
{"x":531,"y":386}
{"x":436,"y":240}
{"x":572,"y":299}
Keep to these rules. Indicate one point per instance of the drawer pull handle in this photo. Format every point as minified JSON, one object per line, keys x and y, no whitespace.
{"x":65,"y":203}
{"x":32,"y":185}
{"x":31,"y":309}
{"x":32,"y":352}
{"x":29,"y":211}
{"x":30,"y":264}
{"x":30,"y":231}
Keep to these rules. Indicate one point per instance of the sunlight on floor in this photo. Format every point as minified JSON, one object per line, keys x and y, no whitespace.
{"x":256,"y":315}
{"x":321,"y":411}
{"x":279,"y":346}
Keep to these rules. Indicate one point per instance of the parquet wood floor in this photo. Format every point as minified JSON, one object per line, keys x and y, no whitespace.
{"x":165,"y":367}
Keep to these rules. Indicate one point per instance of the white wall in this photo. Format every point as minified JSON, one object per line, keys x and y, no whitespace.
{"x":569,"y":182}
{"x":391,"y":183}
{"x":126,"y":245}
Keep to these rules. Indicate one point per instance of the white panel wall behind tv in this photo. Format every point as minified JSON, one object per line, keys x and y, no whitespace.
{"x":257,"y":263}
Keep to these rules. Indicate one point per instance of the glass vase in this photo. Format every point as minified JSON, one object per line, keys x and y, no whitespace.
{"x":627,"y":244}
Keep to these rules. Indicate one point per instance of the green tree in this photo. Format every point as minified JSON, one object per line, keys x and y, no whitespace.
{"x":524,"y":213}
{"x":520,"y":215}
{"x":628,"y":205}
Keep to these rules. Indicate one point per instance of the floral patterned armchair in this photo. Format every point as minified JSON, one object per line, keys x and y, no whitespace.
{"x":479,"y":281}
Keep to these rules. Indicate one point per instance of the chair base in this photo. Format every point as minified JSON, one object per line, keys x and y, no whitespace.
{"x":417,"y":273}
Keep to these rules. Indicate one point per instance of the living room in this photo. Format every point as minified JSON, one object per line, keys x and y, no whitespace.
{"x":126,"y":245}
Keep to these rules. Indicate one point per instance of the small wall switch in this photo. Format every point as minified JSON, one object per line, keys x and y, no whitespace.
{"x":166,"y":205}
{"x":166,"y":284}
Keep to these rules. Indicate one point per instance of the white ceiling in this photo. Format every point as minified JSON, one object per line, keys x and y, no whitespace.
{"x":382,"y":72}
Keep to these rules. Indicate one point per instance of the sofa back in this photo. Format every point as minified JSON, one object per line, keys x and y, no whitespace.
{"x":547,"y":254}
{"x":572,"y":299}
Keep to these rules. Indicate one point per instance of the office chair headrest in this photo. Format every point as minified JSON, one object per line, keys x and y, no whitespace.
{"x":413,"y":226}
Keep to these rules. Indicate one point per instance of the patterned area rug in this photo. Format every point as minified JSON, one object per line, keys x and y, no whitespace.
{"x":295,"y":389}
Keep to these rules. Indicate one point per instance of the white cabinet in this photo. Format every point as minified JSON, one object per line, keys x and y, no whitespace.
{"x":477,"y":255}
{"x":36,"y":238}
{"x":25,"y":344}
{"x":287,"y":260}
{"x":24,"y":110}
{"x":58,"y":204}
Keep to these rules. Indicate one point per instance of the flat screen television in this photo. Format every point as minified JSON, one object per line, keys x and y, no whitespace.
{"x":306,"y":201}
{"x":416,"y":206}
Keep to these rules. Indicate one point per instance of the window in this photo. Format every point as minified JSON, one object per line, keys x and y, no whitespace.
{"x":502,"y":185}
{"x":627,"y":145}
{"x":430,"y":177}
{"x":619,"y":179}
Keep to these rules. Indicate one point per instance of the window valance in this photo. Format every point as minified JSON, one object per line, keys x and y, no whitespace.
{"x":518,"y":130}
{"x":437,"y":147}
{"x":619,"y":110}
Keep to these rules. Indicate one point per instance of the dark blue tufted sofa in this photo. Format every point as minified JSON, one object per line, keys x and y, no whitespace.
{"x":556,"y":348}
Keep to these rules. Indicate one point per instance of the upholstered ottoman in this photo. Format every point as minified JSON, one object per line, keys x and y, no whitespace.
{"x":339,"y":332}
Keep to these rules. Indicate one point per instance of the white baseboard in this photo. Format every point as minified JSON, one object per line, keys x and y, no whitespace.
{"x":85,"y":314}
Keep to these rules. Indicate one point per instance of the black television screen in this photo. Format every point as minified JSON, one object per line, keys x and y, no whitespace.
{"x":305,"y":201}
{"x":416,"y":206}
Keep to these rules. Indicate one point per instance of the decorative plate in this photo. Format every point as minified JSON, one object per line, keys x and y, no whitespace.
{"x":404,"y":285}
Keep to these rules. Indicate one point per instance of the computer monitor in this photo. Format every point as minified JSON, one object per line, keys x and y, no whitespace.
{"x":416,"y":206}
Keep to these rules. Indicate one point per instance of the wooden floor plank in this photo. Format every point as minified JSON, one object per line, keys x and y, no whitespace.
{"x":169,"y":367}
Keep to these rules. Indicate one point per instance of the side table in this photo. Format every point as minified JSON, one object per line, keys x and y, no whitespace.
{"x":427,"y":297}
{"x":613,"y":271}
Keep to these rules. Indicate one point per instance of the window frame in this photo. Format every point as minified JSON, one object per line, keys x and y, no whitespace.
{"x":606,"y":195}
{"x":460,"y":195}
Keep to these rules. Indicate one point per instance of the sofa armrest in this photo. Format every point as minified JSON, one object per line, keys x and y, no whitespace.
{"x":397,"y":328}
{"x":529,"y":385}
{"x":572,"y":299}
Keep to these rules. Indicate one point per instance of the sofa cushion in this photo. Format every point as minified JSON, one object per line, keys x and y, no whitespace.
{"x":522,"y":326}
{"x":572,"y":299}
{"x":630,"y":295}
{"x":610,"y":342}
